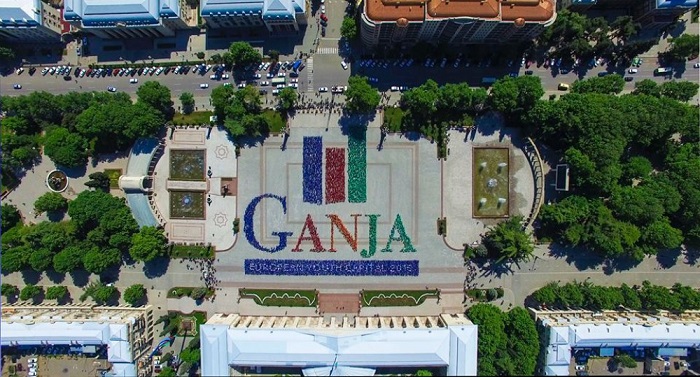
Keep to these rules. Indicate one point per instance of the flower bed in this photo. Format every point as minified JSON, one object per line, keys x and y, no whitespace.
{"x":335,"y":175}
{"x":484,"y":295}
{"x":281,"y":297}
{"x":357,"y":168}
{"x":313,"y":175}
{"x":191,"y":251}
{"x":396,"y":298}
{"x":307,"y":267}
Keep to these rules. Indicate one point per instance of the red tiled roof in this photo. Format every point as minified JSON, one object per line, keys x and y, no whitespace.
{"x":463,"y":8}
{"x":530,"y":10}
{"x":507,"y":10}
{"x":392,"y":10}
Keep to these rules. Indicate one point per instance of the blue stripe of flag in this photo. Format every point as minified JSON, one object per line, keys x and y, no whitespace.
{"x":313,"y":170}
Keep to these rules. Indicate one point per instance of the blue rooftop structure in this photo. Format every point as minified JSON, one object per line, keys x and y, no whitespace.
{"x":107,"y":13}
{"x":278,"y":10}
{"x":231,"y":7}
{"x":667,"y":4}
{"x":20,"y":13}
{"x":585,"y":2}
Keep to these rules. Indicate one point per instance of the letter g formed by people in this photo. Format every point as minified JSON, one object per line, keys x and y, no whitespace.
{"x":249,"y":229}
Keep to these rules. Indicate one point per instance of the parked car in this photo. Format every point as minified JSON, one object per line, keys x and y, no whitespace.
{"x":203,"y":86}
{"x":241,"y":85}
{"x":323,"y":89}
{"x":111,"y":89}
{"x":632,"y":70}
{"x":133,"y":81}
{"x":264,"y":83}
{"x":629,"y":78}
{"x":529,"y":73}
{"x":20,"y":70}
{"x":275,"y":92}
{"x":394,"y":89}
{"x":17,"y":86}
{"x":44,"y":71}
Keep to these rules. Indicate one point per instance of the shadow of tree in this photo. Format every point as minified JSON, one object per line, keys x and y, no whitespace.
{"x":31,"y":276}
{"x":156,"y":268}
{"x":668,"y":258}
{"x":55,"y":276}
{"x":80,"y":277}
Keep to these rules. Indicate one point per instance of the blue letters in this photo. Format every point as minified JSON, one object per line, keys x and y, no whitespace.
{"x":248,"y":227}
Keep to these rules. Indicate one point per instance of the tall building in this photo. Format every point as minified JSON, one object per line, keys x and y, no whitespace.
{"x":455,"y":22}
{"x":125,"y":19}
{"x":318,"y":347}
{"x":277,"y":16}
{"x":651,"y":14}
{"x":23,"y":21}
{"x":581,"y":332}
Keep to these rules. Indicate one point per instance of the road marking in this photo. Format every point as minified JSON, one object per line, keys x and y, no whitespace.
{"x":327,"y":51}
{"x":310,"y":75}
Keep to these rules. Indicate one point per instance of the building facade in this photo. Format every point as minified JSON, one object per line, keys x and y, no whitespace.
{"x":320,"y":347}
{"x":126,"y":332}
{"x":455,"y":22}
{"x":24,"y":21}
{"x":651,"y":14}
{"x":277,"y":16}
{"x":125,"y":19}
{"x":567,"y":332}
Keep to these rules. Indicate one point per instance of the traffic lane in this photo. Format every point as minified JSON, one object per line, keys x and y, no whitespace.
{"x":328,"y":72}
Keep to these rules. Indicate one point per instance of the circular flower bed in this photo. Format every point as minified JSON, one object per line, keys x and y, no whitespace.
{"x":57,"y":181}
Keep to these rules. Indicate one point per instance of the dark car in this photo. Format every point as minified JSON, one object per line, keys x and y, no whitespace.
{"x":140,"y":71}
{"x":324,"y":23}
{"x":167,"y":70}
{"x":629,"y":78}
{"x":67,"y":77}
{"x":32,"y":70}
{"x":263,"y":91}
{"x":529,"y":73}
{"x":601,"y":74}
{"x":324,"y":18}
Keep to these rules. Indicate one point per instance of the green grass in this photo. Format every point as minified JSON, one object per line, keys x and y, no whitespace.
{"x":482,"y":175}
{"x":197,"y":118}
{"x":274,"y":120}
{"x":191,"y":251}
{"x":281,"y":297}
{"x":193,"y":210}
{"x":179,"y":292}
{"x":396,"y":298}
{"x":113,"y":175}
{"x":393,"y":118}
{"x":187,"y":164}
{"x":480,"y":295}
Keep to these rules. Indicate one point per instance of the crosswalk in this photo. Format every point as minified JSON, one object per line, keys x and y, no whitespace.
{"x":327,"y":50}
{"x":310,"y":74}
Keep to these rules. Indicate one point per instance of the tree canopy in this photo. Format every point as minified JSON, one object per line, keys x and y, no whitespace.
{"x":243,"y":54}
{"x":684,"y":47}
{"x":507,"y":240}
{"x":148,"y":244}
{"x":287,"y":98}
{"x":56,"y":292}
{"x":134,"y":294}
{"x":66,"y":148}
{"x":50,"y":202}
{"x":608,"y":84}
{"x":516,"y":95}
{"x":30,"y":292}
{"x":348,"y":29}
{"x":10,"y":216}
{"x":156,"y":95}
{"x":361,"y":96}
{"x":187,"y":100}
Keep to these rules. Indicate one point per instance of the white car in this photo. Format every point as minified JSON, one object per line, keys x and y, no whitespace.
{"x":294,"y":86}
{"x":20,"y":70}
{"x":203,"y":86}
{"x":82,"y":73}
{"x":159,"y":71}
{"x":257,"y":76}
{"x":264,"y":83}
{"x":344,"y":64}
{"x":280,"y":86}
{"x":394,"y":89}
{"x":696,"y":65}
{"x":44,"y":71}
{"x":323,"y":9}
{"x":111,"y":89}
{"x":266,"y":66}
{"x":294,"y":80}
{"x":443,"y":62}
{"x":213,"y":77}
{"x":323,"y":89}
{"x":275,"y":92}
{"x":632,"y":70}
{"x":133,"y":81}
{"x":281,"y":74}
{"x":270,"y":75}
{"x":241,"y":85}
{"x":225,"y":76}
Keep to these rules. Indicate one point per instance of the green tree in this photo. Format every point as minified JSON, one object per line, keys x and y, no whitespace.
{"x":287,"y":99}
{"x":18,"y":150}
{"x":6,"y":54}
{"x":648,"y":87}
{"x":19,"y":126}
{"x":66,"y":148}
{"x":637,"y":167}
{"x":148,"y":244}
{"x":156,"y":95}
{"x":187,"y":100}
{"x":50,"y":202}
{"x":514,"y":95}
{"x":634,"y":204}
{"x":190,"y":355}
{"x":216,"y":59}
{"x":99,"y":292}
{"x":523,"y":341}
{"x":40,"y":259}
{"x":685,"y":46}
{"x":492,"y":341}
{"x":688,"y":297}
{"x":199,"y":293}
{"x":56,"y":292}
{"x":15,"y":259}
{"x":659,"y":234}
{"x":421,"y":102}
{"x":98,"y":180}
{"x":274,"y":55}
{"x":348,"y":29}
{"x":507,"y":240}
{"x":97,"y":260}
{"x":656,"y":297}
{"x":10,"y":216}
{"x":68,"y":260}
{"x":679,"y":90}
{"x":9,"y":290}
{"x":423,"y":372}
{"x":608,"y":84}
{"x":361,"y":96}
{"x":625,"y":27}
{"x":134,"y":294}
{"x":548,"y":294}
{"x":221,"y":98}
{"x":625,"y":360}
{"x":167,"y":372}
{"x":30,"y":292}
{"x":243,"y":54}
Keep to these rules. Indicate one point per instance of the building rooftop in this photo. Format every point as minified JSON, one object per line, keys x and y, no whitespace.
{"x":313,"y":342}
{"x":676,"y":3}
{"x":505,"y":10}
{"x":107,"y":13}
{"x":20,"y":13}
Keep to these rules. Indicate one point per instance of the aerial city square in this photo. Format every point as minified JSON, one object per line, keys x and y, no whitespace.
{"x":350,"y":188}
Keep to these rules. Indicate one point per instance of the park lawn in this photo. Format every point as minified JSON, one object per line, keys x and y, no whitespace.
{"x":191,"y":251}
{"x":281,"y":297}
{"x":481,"y":176}
{"x":113,"y":175}
{"x":396,"y":298}
{"x":393,"y":118}
{"x":274,"y":120}
{"x":179,"y":292}
{"x":196,"y":117}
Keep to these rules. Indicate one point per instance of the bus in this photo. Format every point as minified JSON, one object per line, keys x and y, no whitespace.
{"x":277,"y":80}
{"x":663,"y":71}
{"x":296,"y":65}
{"x":488,"y":80}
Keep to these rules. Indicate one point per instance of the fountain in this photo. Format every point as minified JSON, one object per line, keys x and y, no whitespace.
{"x":501,"y":166}
{"x":482,"y":202}
{"x":501,"y":201}
{"x":491,"y":183}
{"x":482,"y":166}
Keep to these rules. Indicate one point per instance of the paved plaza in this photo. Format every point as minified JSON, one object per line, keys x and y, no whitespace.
{"x":216,"y":169}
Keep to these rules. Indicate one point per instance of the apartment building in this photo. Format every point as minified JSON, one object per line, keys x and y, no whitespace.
{"x":569,"y":333}
{"x":315,"y":346}
{"x":455,"y":22}
{"x":277,"y":16}
{"x":26,"y":21}
{"x":125,"y":19}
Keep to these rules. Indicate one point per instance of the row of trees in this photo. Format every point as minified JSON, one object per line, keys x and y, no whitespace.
{"x":101,"y":230}
{"x":240,"y":111}
{"x":100,"y":292}
{"x":594,"y":297}
{"x":78,"y":125}
{"x":508,"y":342}
{"x":238,"y":56}
{"x":614,"y":84}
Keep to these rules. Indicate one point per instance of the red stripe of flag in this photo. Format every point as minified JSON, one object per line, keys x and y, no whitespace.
{"x":335,"y":175}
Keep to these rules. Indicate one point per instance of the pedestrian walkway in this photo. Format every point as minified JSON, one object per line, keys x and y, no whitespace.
{"x":310,"y":74}
{"x":327,"y":50}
